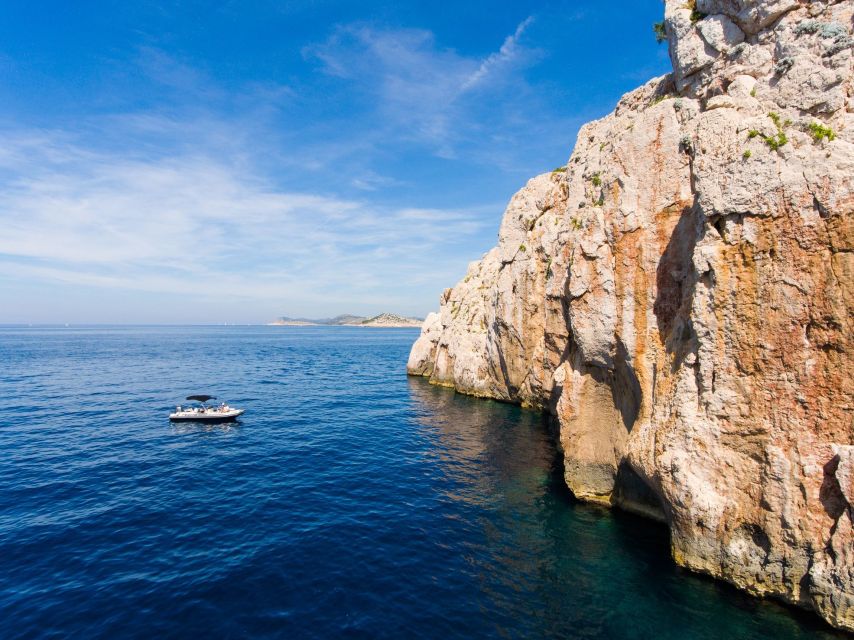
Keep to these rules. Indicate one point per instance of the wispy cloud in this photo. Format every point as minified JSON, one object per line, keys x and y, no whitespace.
{"x":421,"y":89}
{"x":510,"y":50}
{"x":307,"y":193}
{"x":193,"y":224}
{"x":368,"y":180}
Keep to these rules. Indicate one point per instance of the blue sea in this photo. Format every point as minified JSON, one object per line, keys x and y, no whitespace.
{"x":348,"y":502}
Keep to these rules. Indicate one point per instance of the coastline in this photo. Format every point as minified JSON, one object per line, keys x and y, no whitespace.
{"x":365,"y":326}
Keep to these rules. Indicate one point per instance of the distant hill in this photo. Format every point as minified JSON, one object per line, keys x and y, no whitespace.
{"x":348,"y":320}
{"x":391,"y":320}
{"x":344,"y":319}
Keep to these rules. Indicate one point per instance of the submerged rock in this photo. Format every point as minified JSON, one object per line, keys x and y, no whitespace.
{"x":680,"y":299}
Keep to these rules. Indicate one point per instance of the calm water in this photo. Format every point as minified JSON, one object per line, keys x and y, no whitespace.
{"x":349,"y":501}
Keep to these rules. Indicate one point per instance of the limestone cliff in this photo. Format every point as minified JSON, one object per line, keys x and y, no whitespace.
{"x":680,"y":297}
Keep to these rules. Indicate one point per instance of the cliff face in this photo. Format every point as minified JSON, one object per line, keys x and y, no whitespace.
{"x":681,"y":297}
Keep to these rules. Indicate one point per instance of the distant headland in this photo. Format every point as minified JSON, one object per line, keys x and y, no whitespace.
{"x":347,"y":320}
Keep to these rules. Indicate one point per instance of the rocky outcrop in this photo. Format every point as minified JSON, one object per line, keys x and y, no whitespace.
{"x":680,"y":297}
{"x":386,"y":320}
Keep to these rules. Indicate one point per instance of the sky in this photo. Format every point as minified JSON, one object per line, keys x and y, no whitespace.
{"x":236,"y":161}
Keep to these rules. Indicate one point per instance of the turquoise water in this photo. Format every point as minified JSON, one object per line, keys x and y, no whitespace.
{"x":349,"y":501}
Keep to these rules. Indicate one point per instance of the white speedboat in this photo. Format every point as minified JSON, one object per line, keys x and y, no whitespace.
{"x":205,"y":413}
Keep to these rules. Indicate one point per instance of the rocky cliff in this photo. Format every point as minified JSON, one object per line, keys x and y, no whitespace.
{"x":680,"y":298}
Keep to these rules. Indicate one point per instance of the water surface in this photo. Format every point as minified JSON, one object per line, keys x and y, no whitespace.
{"x":349,"y":501}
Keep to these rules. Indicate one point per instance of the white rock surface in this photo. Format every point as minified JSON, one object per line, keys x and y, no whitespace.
{"x":721,"y":33}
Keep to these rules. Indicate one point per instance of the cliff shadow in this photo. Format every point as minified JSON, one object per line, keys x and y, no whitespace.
{"x":830,"y":494}
{"x":633,"y":494}
{"x":625,"y":388}
{"x":673,"y":279}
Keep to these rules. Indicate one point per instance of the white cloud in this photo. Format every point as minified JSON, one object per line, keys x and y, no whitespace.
{"x":510,"y":50}
{"x":371,"y":181}
{"x":195,"y":195}
{"x":423,"y":91}
{"x":194,"y":224}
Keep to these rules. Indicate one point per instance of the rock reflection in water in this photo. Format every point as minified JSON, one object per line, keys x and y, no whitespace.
{"x":561,"y":567}
{"x":490,"y":451}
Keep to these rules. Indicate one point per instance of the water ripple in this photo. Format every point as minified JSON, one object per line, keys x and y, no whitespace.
{"x":349,"y":501}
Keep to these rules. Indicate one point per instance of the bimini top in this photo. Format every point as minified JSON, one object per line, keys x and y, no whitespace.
{"x":201,"y":398}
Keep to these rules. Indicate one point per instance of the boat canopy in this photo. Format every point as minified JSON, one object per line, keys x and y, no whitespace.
{"x":201,"y":398}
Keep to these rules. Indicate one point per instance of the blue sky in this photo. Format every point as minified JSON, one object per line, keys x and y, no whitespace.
{"x":237,"y":161}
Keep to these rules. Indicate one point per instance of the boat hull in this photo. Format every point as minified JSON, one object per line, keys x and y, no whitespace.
{"x":213,"y":416}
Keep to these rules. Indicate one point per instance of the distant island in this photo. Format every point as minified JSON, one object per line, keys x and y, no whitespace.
{"x":347,"y":320}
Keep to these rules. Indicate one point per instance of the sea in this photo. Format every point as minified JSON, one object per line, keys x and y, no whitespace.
{"x":349,"y":501}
